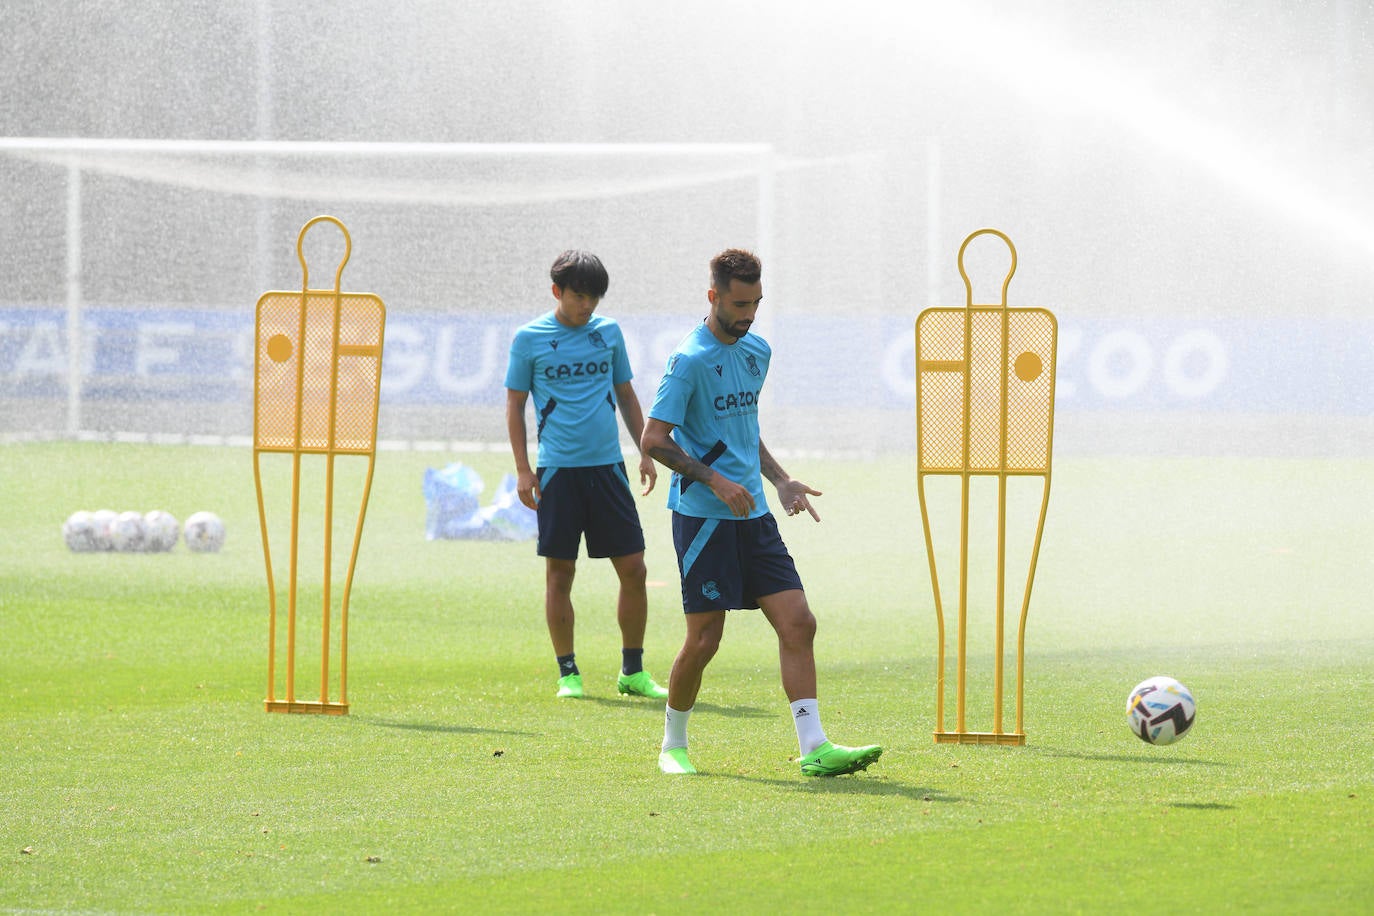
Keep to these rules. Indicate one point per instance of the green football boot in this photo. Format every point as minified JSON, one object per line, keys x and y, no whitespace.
{"x":836,"y":759}
{"x":570,"y":686}
{"x":674,"y":760}
{"x":640,"y":684}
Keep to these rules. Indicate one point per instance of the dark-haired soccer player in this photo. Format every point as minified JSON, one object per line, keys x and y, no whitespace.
{"x":704,"y":426}
{"x":574,"y":364}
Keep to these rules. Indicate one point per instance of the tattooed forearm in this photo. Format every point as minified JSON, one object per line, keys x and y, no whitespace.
{"x":770,"y":467}
{"x":670,"y":455}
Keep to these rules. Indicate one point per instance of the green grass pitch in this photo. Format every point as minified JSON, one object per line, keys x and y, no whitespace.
{"x":140,"y":773}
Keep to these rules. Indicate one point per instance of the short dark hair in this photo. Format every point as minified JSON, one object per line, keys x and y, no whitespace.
{"x":580,"y":271}
{"x":735,"y":264}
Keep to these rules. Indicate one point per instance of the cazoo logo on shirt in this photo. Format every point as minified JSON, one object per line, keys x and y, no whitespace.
{"x":734,"y":401}
{"x":577,"y":370}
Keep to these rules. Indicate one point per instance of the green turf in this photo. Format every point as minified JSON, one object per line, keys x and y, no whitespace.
{"x":139,"y":772}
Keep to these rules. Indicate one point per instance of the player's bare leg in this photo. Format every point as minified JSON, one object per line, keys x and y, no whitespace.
{"x":699,"y":646}
{"x":558,"y":614}
{"x":632,"y":613}
{"x":791,"y":618}
{"x":558,"y":606}
{"x":632,"y":605}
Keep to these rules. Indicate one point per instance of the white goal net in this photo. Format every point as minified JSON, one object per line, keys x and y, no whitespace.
{"x":126,"y":308}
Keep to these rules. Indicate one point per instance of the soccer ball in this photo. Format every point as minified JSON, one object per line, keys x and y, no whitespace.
{"x":162,"y":531}
{"x":1160,"y":710}
{"x":79,"y":532}
{"x":127,"y":534}
{"x":102,"y":528}
{"x":203,"y":532}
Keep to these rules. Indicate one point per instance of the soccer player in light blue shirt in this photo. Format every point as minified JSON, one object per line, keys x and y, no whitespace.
{"x":573,"y":364}
{"x":704,"y":426}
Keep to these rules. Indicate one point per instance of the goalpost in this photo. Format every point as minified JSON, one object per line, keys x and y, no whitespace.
{"x":165,"y":245}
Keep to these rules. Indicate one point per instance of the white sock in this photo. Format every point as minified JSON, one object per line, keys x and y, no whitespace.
{"x":806,"y":715}
{"x":675,"y":727}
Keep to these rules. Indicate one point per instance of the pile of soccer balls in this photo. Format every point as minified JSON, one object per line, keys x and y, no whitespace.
{"x":136,"y":532}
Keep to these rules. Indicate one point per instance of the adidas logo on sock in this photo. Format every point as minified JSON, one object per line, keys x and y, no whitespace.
{"x":802,"y":712}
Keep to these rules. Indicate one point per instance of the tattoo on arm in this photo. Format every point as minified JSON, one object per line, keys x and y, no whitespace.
{"x":769,"y":466}
{"x":670,"y":455}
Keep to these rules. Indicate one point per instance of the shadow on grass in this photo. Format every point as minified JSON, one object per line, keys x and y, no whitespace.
{"x":1144,"y":757}
{"x":618,"y":702}
{"x":734,"y":712}
{"x":878,"y":786}
{"x":445,"y":728}
{"x":656,"y":707}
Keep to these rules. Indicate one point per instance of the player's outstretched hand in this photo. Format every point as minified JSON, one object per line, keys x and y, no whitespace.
{"x":793,"y":495}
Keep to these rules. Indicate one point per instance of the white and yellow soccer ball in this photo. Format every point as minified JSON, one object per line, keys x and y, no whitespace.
{"x":1160,"y":710}
{"x":127,"y":534}
{"x":79,"y":532}
{"x":162,"y":530}
{"x":203,"y":533}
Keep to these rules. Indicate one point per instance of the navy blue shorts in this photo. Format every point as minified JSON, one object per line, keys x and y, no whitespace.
{"x":595,"y":501}
{"x":731,"y":563}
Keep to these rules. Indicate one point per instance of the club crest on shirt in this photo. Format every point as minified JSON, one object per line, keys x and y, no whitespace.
{"x":597,"y":340}
{"x":752,"y":362}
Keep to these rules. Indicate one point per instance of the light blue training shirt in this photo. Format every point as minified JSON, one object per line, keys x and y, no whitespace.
{"x":571,"y":374}
{"x":710,"y":393}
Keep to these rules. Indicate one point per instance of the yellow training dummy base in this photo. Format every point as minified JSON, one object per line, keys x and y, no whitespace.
{"x":317,"y":383}
{"x":984,"y":407}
